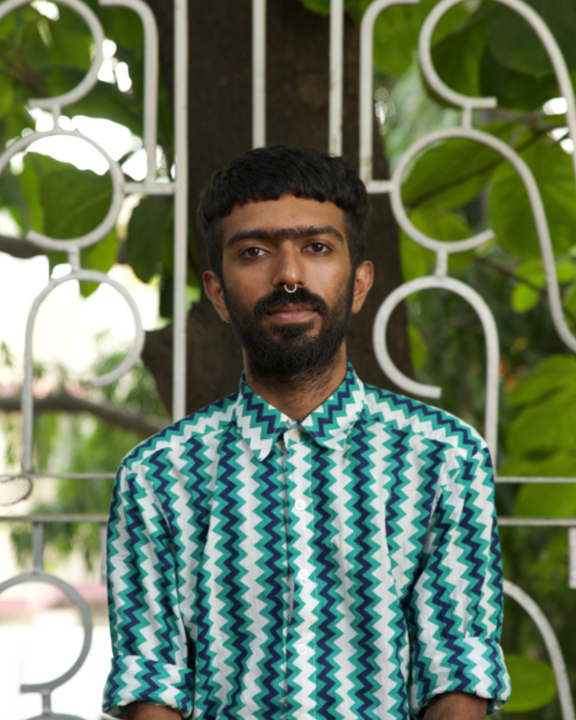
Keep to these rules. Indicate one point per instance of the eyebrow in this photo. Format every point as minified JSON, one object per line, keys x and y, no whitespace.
{"x":293,"y":233}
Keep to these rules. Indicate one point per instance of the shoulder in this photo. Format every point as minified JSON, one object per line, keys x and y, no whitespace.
{"x":418,"y":419}
{"x":207,"y":422}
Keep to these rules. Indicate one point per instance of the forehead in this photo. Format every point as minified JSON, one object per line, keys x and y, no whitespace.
{"x":286,"y":212}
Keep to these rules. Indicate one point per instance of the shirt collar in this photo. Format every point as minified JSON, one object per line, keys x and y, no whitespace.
{"x":260,"y":423}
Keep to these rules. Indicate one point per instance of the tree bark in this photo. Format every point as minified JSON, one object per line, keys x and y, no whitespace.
{"x":220,"y":130}
{"x":19,"y":248}
{"x":65,"y":402}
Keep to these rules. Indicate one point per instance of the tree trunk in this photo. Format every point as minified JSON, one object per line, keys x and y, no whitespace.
{"x":220,"y":129}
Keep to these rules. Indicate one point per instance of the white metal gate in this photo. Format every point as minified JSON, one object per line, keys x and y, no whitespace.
{"x":21,"y":482}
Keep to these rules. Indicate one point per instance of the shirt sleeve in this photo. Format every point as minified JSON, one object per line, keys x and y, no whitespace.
{"x":149,"y":644}
{"x":454,"y":612}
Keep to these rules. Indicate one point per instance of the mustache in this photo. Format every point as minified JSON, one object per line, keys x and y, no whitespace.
{"x":280,"y":298}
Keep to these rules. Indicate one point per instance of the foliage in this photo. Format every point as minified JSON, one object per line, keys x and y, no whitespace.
{"x":84,"y":444}
{"x":533,"y":682}
{"x":42,"y":56}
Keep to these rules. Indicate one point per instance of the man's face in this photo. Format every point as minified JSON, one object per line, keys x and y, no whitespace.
{"x":292,"y":242}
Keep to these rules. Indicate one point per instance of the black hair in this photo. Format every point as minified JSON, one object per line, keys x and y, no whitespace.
{"x":267,"y":174}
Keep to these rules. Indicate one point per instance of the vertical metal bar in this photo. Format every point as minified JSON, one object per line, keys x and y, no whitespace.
{"x":258,"y":73}
{"x":150,"y":79}
{"x":180,"y":206}
{"x":336,"y":76}
{"x":46,"y":701}
{"x":572,"y":558}
{"x":38,"y":547}
{"x":103,"y":570}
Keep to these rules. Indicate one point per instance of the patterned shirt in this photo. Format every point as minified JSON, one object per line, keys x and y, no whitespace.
{"x":345,"y":567}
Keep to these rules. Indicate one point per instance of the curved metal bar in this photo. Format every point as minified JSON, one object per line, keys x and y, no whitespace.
{"x":55,"y":104}
{"x":424,"y":50}
{"x":366,"y":83}
{"x":552,"y":645}
{"x":396,"y":190}
{"x":535,"y":202}
{"x":150,"y":78}
{"x":27,"y":406}
{"x":91,"y":238}
{"x":490,"y":334}
{"x":75,"y":598}
{"x":468,"y":103}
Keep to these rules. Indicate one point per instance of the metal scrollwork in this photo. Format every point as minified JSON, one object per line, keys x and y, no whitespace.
{"x":440,"y":278}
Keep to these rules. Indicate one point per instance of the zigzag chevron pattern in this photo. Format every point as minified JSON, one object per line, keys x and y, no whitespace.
{"x":343,"y":568}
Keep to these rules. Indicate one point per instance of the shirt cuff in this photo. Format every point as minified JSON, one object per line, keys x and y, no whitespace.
{"x":472,"y":665}
{"x":135,"y":679}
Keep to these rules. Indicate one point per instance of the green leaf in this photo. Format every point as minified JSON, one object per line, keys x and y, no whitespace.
{"x":397,"y":29}
{"x":509,"y":208}
{"x":547,"y":422}
{"x":523,"y":298}
{"x":515,"y":44}
{"x":453,"y":172}
{"x":533,"y":684}
{"x":467,"y":44}
{"x":514,"y":89}
{"x":72,"y":41}
{"x":545,"y":427}
{"x":74,"y":201}
{"x":418,"y":349}
{"x":149,"y":230}
{"x":21,"y":194}
{"x":321,"y":7}
{"x":566,"y":270}
{"x":543,"y":500}
{"x":6,"y":95}
{"x":440,"y":225}
{"x":100,"y":256}
{"x":560,"y":464}
{"x":555,"y":374}
{"x":417,"y":261}
{"x":569,"y":300}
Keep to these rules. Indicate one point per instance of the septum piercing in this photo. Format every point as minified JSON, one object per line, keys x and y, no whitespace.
{"x":293,"y":290}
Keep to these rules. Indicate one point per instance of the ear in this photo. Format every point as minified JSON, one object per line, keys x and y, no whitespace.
{"x":215,"y":292}
{"x":362,"y":284}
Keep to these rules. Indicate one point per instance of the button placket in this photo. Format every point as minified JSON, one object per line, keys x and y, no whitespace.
{"x":301,"y":638}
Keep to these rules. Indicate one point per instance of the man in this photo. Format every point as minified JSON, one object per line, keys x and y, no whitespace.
{"x":310,"y":547}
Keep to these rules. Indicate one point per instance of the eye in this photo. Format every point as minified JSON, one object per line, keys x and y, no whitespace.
{"x":252,"y":252}
{"x":318,"y":248}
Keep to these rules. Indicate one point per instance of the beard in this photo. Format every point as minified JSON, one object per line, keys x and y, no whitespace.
{"x":288,"y":352}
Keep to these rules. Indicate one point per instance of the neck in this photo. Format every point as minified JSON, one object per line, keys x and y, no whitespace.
{"x":298,"y":395}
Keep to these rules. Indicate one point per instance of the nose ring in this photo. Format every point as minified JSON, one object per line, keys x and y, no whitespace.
{"x":293,"y":289}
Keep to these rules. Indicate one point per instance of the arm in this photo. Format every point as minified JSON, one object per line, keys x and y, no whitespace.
{"x":140,"y":711}
{"x":456,"y":706}
{"x":454,"y":612}
{"x":149,"y":641}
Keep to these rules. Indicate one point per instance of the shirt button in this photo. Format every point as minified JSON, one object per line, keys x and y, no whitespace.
{"x":303,"y":575}
{"x":299,"y":505}
{"x":292,"y":434}
{"x":301,"y":649}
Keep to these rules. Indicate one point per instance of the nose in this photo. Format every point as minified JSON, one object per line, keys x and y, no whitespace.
{"x":288,"y":268}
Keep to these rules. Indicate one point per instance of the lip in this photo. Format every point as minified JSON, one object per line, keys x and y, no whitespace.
{"x":292,"y":313}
